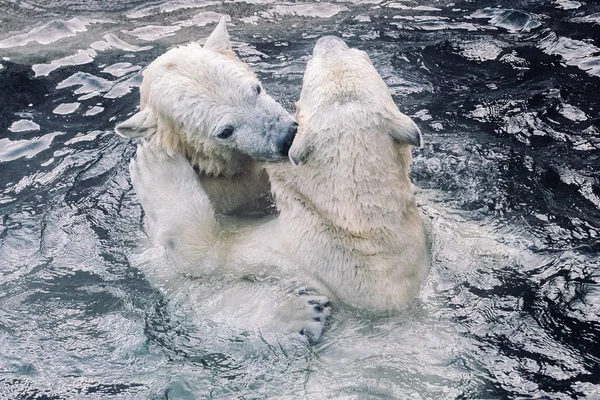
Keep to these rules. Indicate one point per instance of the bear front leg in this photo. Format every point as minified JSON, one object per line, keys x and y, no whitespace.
{"x":179,"y":214}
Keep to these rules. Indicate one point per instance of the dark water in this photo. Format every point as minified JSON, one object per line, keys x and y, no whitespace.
{"x":506,"y":94}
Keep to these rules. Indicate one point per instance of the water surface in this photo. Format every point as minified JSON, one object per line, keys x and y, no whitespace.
{"x":506,"y":94}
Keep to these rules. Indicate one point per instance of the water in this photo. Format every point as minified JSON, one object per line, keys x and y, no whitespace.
{"x":506,"y":94}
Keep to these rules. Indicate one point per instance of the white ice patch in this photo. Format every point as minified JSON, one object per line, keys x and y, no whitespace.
{"x":481,"y":50}
{"x":588,"y":19}
{"x":417,"y":8}
{"x":584,"y":183}
{"x":88,"y":137}
{"x":573,"y":113}
{"x":362,"y":18}
{"x":423,"y":115}
{"x":321,"y":10}
{"x":89,"y":84}
{"x":112,"y":42}
{"x":509,"y":19}
{"x":79,"y":58}
{"x":574,"y":52}
{"x":427,"y":23}
{"x":24,"y":125}
{"x":168,"y":7}
{"x":153,"y":32}
{"x":50,"y":32}
{"x":567,"y":4}
{"x":66,"y":108}
{"x":13,"y":149}
{"x":120,"y":69}
{"x":205,"y":18}
{"x":93,"y":111}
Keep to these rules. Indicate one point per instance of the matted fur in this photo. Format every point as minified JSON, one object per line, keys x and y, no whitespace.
{"x":348,"y":219}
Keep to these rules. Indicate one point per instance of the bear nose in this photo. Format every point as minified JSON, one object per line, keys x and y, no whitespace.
{"x":288,"y":139}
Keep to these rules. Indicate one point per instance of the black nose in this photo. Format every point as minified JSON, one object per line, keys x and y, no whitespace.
{"x":287,"y":140}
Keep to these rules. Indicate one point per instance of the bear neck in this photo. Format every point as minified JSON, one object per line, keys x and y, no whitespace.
{"x":362,"y":190}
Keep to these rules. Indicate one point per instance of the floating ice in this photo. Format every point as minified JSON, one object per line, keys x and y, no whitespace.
{"x":573,"y":113}
{"x":584,"y":183}
{"x":589,"y":19}
{"x":481,"y":50}
{"x":514,"y":61}
{"x":361,"y":1}
{"x":111,"y":41}
{"x":66,"y":108}
{"x":429,"y":23}
{"x":153,"y":32}
{"x":24,"y":125}
{"x":168,"y":7}
{"x":417,"y":8}
{"x":567,"y":4}
{"x":49,"y":33}
{"x":362,"y":18}
{"x":89,"y":84}
{"x":511,"y":20}
{"x":321,"y":10}
{"x":88,"y":137}
{"x":120,"y":69}
{"x":205,"y":18}
{"x":250,"y":20}
{"x":574,"y":52}
{"x":93,"y":111}
{"x":124,"y":87}
{"x":79,"y":58}
{"x":13,"y":149}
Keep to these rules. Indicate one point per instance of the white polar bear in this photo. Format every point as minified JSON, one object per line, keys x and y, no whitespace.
{"x":206,"y":104}
{"x":203,"y":105}
{"x":348,"y":218}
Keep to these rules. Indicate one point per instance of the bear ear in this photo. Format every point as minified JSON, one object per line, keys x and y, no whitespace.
{"x":219,"y":39}
{"x":404,"y":130}
{"x":140,"y":124}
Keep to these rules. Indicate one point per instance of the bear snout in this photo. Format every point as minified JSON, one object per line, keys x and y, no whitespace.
{"x":286,"y":141}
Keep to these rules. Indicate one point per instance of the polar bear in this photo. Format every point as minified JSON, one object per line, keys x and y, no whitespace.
{"x":205,"y":103}
{"x":347,"y":209}
{"x":348,"y":222}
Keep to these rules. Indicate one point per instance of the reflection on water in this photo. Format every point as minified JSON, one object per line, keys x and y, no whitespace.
{"x":507,"y":99}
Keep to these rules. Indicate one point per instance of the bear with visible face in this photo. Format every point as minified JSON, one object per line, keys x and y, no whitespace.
{"x":205,"y":109}
{"x":209,"y":106}
{"x":348,"y":223}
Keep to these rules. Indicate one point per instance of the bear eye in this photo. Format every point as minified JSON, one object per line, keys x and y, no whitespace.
{"x":258,"y":89}
{"x":226,"y":132}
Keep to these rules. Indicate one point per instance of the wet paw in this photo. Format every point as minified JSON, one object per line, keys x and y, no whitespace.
{"x":318,"y":308}
{"x":160,"y":178}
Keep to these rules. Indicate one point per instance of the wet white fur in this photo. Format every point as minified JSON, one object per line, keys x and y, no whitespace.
{"x":348,"y":219}
{"x":189,"y":95}
{"x":348,"y":211}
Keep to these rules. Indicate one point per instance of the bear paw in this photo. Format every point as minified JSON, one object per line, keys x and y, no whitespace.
{"x":319,"y":312}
